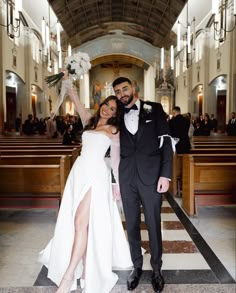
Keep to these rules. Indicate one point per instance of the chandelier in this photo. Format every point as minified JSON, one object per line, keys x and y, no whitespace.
{"x":51,"y":42}
{"x":12,"y":17}
{"x":165,"y":71}
{"x":186,"y":40}
{"x":224,"y":12}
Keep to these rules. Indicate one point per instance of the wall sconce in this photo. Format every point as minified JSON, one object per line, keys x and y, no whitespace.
{"x":187,"y":44}
{"x":13,"y":13}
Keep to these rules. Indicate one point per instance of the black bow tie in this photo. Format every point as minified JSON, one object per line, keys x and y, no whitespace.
{"x":134,"y":107}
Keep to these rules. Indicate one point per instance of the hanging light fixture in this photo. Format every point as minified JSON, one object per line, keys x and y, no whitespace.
{"x":69,"y":50}
{"x":186,"y":41}
{"x":222,"y":25}
{"x":46,"y":40}
{"x":165,"y":71}
{"x":47,"y":37}
{"x":13,"y":11}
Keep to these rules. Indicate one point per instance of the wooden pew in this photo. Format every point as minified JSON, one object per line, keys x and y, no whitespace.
{"x":22,"y":143}
{"x":33,"y":183}
{"x":74,"y":153}
{"x":37,"y":146}
{"x":32,"y":159}
{"x":208,"y":183}
{"x":175,"y":184}
{"x":213,"y":145}
{"x":213,"y":138}
{"x":215,"y":150}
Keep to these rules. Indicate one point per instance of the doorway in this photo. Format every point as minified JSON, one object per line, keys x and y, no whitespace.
{"x":11,"y":109}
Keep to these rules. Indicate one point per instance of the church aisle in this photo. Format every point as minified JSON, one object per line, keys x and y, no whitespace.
{"x":187,"y":258}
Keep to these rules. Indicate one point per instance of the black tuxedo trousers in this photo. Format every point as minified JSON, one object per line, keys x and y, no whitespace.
{"x":134,"y":195}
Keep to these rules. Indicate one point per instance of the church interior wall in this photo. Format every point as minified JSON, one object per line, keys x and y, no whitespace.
{"x":215,"y":60}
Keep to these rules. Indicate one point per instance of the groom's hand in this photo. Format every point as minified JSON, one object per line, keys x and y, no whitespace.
{"x":163,"y":185}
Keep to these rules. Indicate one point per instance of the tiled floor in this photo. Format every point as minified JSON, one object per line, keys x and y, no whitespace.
{"x":197,"y":251}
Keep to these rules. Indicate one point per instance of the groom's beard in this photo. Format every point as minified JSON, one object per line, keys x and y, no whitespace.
{"x":126,"y":103}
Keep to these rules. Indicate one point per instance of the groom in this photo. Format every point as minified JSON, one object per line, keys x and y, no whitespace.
{"x":144,"y":173}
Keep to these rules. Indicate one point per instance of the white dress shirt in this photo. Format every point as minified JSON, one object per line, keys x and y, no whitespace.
{"x":131,"y":119}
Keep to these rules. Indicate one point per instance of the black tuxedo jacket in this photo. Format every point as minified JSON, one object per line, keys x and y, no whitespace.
{"x":140,"y":153}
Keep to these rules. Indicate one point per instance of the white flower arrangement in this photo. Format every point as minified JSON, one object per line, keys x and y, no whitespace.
{"x":76,"y":65}
{"x":147,"y":108}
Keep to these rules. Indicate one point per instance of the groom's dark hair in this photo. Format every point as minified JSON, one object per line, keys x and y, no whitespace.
{"x":120,"y":80}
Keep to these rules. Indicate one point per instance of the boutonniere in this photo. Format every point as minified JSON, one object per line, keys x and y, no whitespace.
{"x":147,"y":108}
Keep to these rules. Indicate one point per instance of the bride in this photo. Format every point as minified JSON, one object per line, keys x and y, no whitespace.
{"x":89,"y":240}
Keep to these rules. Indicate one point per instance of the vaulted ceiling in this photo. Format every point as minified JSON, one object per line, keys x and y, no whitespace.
{"x":150,"y":20}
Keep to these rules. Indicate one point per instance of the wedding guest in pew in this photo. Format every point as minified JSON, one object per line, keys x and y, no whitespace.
{"x":206,"y":125}
{"x":41,"y":128}
{"x":29,"y":126}
{"x":51,"y":128}
{"x":214,"y":123}
{"x":231,"y":126}
{"x":69,"y":136}
{"x":197,"y":130}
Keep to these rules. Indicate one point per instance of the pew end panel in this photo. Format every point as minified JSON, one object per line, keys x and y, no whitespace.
{"x":207,"y":183}
{"x":187,"y":185}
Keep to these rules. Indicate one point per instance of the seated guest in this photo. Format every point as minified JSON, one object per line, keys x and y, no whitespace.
{"x":68,"y":136}
{"x":51,"y":128}
{"x":197,"y":129}
{"x":29,"y":125}
{"x":231,"y":127}
{"x":214,"y":123}
{"x":206,"y":126}
{"x":41,"y":126}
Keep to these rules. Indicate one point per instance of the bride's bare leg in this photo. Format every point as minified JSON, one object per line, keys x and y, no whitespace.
{"x":80,"y":242}
{"x":82,"y":279}
{"x":84,"y":264}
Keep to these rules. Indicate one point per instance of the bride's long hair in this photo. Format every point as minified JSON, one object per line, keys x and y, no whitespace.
{"x":114,"y":121}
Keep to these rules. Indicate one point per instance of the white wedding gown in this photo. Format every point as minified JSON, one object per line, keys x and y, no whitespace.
{"x":107,"y":246}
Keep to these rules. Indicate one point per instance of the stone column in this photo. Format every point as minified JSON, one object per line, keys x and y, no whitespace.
{"x":149,"y":84}
{"x":27,"y":106}
{"x":84,"y":90}
{"x":232,"y":75}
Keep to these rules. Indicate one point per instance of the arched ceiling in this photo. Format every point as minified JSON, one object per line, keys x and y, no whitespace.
{"x":150,"y":20}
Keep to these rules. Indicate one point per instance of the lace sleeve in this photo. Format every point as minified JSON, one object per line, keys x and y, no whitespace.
{"x":115,"y":156}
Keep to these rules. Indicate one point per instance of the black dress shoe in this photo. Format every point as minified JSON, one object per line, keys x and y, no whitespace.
{"x":157,"y":281}
{"x":134,"y":278}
